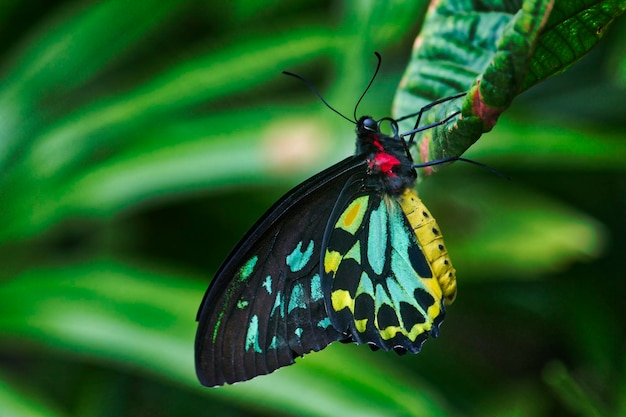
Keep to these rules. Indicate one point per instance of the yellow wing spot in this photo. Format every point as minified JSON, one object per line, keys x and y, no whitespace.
{"x":433,"y":312}
{"x":417,"y":329}
{"x":360,"y":325}
{"x":332,"y":259}
{"x":351,"y":215}
{"x":341,"y":299}
{"x":391,"y":331}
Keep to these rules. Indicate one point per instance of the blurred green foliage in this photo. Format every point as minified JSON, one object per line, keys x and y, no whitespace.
{"x":139,"y":141}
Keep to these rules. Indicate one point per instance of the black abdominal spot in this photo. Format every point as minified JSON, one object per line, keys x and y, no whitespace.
{"x":424,"y":299}
{"x":387,"y":317}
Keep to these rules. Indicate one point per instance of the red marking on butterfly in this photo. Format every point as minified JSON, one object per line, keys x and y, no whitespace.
{"x":377,"y":144}
{"x":384,"y":162}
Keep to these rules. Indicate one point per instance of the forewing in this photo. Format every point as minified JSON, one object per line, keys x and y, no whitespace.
{"x":379,"y":286}
{"x":265,"y":305}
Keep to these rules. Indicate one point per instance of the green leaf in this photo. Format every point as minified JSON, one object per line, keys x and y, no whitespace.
{"x":523,"y":142}
{"x":18,"y":403}
{"x":65,"y":52}
{"x":518,"y":400}
{"x":494,"y":53}
{"x":106,"y":311}
{"x":570,"y":392}
{"x":201,"y":79}
{"x":132,"y":318}
{"x":375,"y":390}
{"x":573,"y":28}
{"x":156,"y":131}
{"x":78,"y":139}
{"x":76,"y":44}
{"x":504,"y":216}
{"x":175,"y":161}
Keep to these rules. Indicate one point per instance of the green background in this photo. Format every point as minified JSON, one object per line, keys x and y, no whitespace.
{"x":140,"y":140}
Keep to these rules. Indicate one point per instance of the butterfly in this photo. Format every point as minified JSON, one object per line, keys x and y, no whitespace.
{"x":351,"y":255}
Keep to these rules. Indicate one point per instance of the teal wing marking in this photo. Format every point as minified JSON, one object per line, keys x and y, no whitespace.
{"x":265,"y":306}
{"x":298,"y":259}
{"x":336,"y":258}
{"x":379,"y":287}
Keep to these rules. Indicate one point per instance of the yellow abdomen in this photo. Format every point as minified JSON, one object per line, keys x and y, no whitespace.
{"x":431,"y":242}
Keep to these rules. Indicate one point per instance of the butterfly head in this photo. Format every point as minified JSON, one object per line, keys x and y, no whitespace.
{"x":390,"y":166}
{"x":366,"y":124}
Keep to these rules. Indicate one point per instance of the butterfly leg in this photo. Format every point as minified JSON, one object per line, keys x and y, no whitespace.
{"x":419,"y":114}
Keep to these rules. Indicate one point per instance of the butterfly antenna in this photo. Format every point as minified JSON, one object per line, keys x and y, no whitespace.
{"x":317,"y":93}
{"x":457,"y":158}
{"x":369,"y":85}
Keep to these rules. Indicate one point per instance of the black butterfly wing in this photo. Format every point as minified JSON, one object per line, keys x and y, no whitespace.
{"x":265,"y":305}
{"x":379,"y":285}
